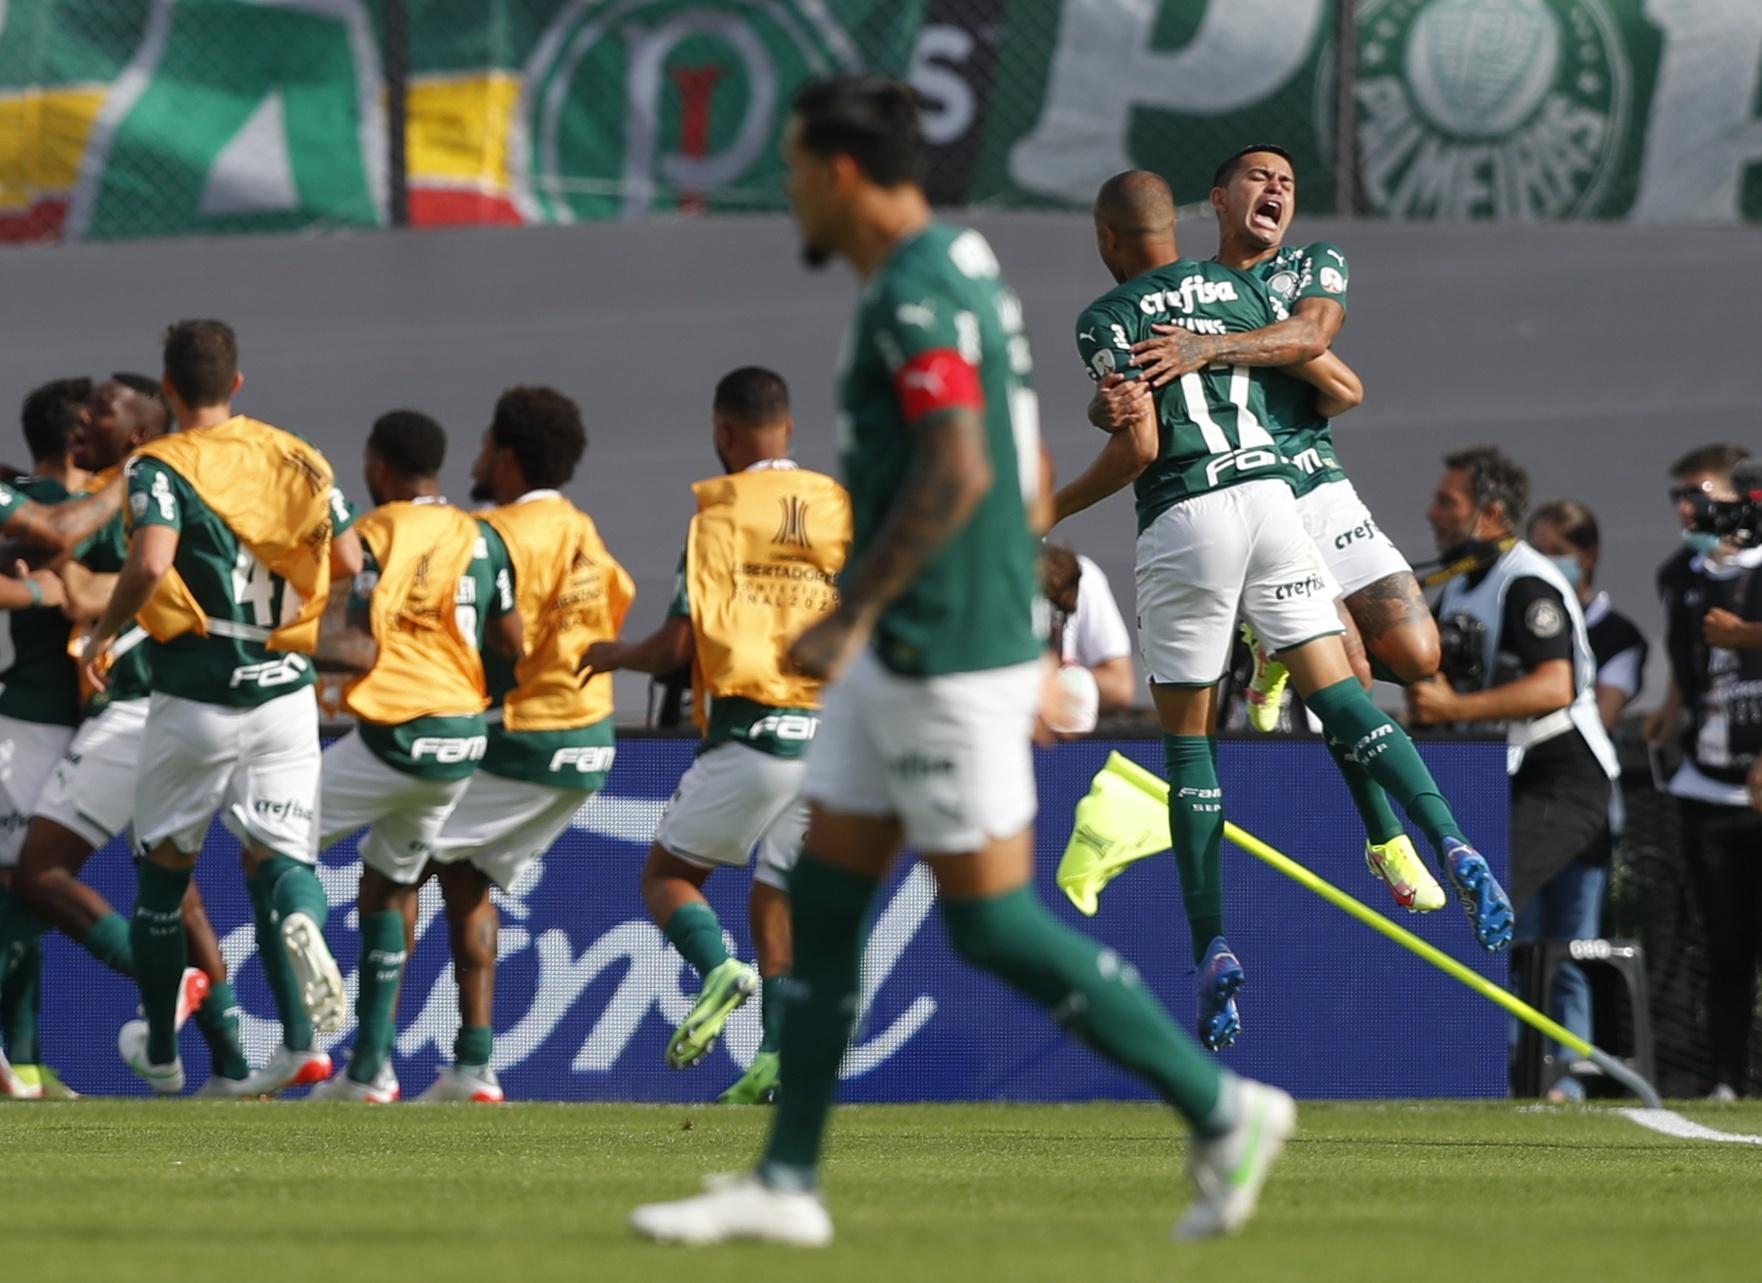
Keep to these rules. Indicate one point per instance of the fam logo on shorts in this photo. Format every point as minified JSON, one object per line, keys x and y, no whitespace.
{"x":1489,"y":109}
{"x":629,"y":105}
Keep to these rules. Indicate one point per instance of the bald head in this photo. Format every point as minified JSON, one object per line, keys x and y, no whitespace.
{"x":1136,"y":203}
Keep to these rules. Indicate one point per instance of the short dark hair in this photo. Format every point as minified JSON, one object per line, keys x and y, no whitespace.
{"x":1227,"y":170}
{"x":1718,"y":459}
{"x":201,"y":361}
{"x":752,"y":397}
{"x":543,"y":429}
{"x":1576,"y":523}
{"x":150,"y":388}
{"x":1494,"y":477}
{"x":409,"y":443}
{"x":870,"y":118}
{"x":50,"y":414}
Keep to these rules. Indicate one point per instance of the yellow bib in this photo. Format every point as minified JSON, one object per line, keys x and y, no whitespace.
{"x":761,"y":566}
{"x":570,"y":593}
{"x":427,"y":666}
{"x":273,"y":491}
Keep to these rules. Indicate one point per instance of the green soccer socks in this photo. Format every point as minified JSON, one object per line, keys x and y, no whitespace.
{"x":1196,"y":827}
{"x":156,"y":937}
{"x":1368,"y":736}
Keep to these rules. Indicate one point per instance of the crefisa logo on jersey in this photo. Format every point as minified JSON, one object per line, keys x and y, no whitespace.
{"x":1489,"y":109}
{"x":700,"y":86}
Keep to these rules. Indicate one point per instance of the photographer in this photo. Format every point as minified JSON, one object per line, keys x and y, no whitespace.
{"x":1712,"y":596}
{"x":1516,"y":654}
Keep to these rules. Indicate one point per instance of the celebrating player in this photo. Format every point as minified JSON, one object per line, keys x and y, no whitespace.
{"x":550,"y":734}
{"x":1219,"y":536}
{"x":228,"y":570}
{"x":88,"y":796}
{"x":761,"y":563}
{"x":939,"y":636}
{"x":434,"y":586}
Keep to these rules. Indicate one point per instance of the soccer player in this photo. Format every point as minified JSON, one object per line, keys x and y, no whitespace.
{"x":760,"y":565}
{"x":434,"y":588}
{"x":939,"y":636}
{"x":88,"y":796}
{"x":550,"y":734}
{"x":1219,"y":535}
{"x":228,"y":570}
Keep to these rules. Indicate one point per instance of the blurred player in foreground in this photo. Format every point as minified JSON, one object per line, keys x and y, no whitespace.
{"x":938,"y":646}
{"x":760,"y":566}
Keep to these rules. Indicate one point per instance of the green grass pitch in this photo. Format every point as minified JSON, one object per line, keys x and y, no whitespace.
{"x":191,"y":1191}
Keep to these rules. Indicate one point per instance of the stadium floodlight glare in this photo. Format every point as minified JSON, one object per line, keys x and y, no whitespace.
{"x":1125,"y":818}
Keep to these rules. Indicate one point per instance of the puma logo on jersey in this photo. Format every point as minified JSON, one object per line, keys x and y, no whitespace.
{"x":922,"y":315}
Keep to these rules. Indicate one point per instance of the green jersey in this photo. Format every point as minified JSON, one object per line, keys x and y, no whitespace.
{"x":937,"y":329}
{"x":1212,"y":423}
{"x":442,"y":748}
{"x":243,"y":599}
{"x":131,"y":676}
{"x":39,"y":681}
{"x":1295,"y":273}
{"x":780,"y":732}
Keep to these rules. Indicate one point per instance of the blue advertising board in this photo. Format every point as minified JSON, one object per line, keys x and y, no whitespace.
{"x":588,"y":988}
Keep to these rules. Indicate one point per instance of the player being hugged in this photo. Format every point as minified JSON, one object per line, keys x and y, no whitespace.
{"x":937,"y":648}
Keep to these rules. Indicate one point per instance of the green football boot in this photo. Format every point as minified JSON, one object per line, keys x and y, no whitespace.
{"x":758,"y":1085}
{"x":724,"y":990}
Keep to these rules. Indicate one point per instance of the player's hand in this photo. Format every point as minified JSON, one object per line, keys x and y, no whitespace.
{"x":601,"y":657}
{"x":1171,"y":354}
{"x":92,"y":661}
{"x":1659,"y":726}
{"x":1117,"y":403}
{"x":47,"y":581}
{"x":825,"y":649}
{"x":1725,"y":630}
{"x":1432,"y":702}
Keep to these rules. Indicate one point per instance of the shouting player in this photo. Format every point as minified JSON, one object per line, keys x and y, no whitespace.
{"x":937,"y":647}
{"x":1219,"y":536}
{"x":761,"y":563}
{"x":228,"y":570}
{"x":431,"y":591}
{"x":550,"y":734}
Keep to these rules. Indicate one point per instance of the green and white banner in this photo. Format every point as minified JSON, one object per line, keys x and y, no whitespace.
{"x":123,"y":118}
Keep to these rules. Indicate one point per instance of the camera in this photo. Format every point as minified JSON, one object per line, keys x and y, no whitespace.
{"x":1740,"y":519}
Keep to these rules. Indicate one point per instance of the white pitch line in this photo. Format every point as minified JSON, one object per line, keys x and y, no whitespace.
{"x":1671,"y":1123}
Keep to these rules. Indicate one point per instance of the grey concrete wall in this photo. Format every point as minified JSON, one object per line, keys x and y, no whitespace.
{"x":1594,"y":353}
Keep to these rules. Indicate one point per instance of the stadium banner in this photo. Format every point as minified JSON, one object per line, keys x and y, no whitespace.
{"x":132,"y":118}
{"x":588,"y":989}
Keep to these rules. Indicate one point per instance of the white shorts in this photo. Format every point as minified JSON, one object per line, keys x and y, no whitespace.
{"x":733,"y":798}
{"x":1353,"y":547}
{"x":28,"y":754}
{"x":1238,"y":550}
{"x":402,"y":813}
{"x":503,"y":826}
{"x":949,"y":757}
{"x":258,"y":767}
{"x":92,"y":790}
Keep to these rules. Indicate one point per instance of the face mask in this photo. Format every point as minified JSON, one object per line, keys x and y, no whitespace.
{"x":1569,"y":569}
{"x":1702,"y":541}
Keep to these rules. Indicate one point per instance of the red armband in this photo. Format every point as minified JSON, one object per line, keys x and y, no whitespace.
{"x":940,"y":379}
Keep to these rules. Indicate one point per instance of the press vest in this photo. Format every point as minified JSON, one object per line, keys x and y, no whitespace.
{"x":761,"y":563}
{"x":1721,"y":689}
{"x":427,"y":665}
{"x":570,"y":593}
{"x":1485,"y":604}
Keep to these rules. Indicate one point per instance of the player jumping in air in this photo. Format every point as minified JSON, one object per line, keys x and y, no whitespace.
{"x":228,"y":570}
{"x":433,"y":591}
{"x":761,"y":564}
{"x":1219,"y":536}
{"x":937,"y":649}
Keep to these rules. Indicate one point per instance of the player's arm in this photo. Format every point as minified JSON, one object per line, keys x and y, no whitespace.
{"x":345,"y":629}
{"x":57,"y":526}
{"x":26,"y":588}
{"x":1121,"y":461}
{"x":504,"y":633}
{"x":151,"y":550}
{"x":667,"y":649}
{"x":1337,"y":386}
{"x":347,"y":557}
{"x":1304,"y":335}
{"x":1116,"y":682}
{"x":1127,"y":413}
{"x":85,"y":592}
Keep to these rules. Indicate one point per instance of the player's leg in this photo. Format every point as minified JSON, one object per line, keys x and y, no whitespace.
{"x":271,"y":808}
{"x":218,"y":1014}
{"x":473,"y":931}
{"x":768,"y":918}
{"x":30,"y":753}
{"x":387,"y":906}
{"x":1393,"y":623}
